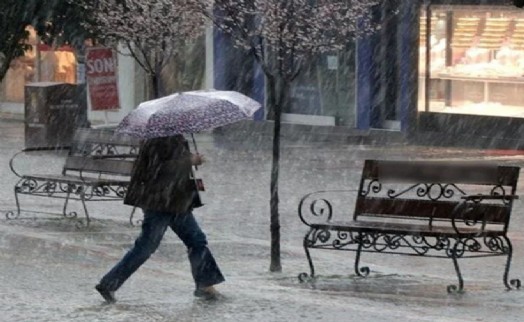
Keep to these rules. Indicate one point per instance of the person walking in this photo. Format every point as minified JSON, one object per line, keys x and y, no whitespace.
{"x":161,"y":185}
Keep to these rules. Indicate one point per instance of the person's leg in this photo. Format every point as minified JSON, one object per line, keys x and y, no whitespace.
{"x":153,"y":228}
{"x":203,"y":265}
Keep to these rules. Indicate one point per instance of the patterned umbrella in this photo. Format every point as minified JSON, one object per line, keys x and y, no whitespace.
{"x":187,"y":112}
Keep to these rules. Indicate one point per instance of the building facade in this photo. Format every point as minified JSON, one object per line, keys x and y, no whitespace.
{"x":44,"y":64}
{"x":356,"y":88}
{"x":438,"y":72}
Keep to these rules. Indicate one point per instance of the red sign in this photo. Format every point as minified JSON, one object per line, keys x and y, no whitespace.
{"x":44,"y":47}
{"x":101,"y":76}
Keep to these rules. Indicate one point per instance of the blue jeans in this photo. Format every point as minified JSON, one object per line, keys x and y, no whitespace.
{"x":203,"y":265}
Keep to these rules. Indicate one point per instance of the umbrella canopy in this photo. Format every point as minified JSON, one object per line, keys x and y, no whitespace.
{"x":187,"y":112}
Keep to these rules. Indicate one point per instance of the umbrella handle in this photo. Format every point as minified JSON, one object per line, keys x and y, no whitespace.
{"x":196,"y":149}
{"x":194,"y":142}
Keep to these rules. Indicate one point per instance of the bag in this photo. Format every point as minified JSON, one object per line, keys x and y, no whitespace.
{"x":198,"y":185}
{"x":197,"y":202}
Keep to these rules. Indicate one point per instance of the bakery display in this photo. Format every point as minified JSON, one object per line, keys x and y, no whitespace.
{"x":477,"y":61}
{"x":485,"y":46}
{"x":465,"y":31}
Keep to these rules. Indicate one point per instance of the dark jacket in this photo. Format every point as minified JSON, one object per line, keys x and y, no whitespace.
{"x":160,"y":180}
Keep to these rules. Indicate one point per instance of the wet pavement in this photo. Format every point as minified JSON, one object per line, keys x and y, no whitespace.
{"x":48,"y":268}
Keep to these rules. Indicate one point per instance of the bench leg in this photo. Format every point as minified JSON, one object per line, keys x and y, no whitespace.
{"x":71,"y":214}
{"x":453,"y":254}
{"x":80,"y":223}
{"x":514,"y":283}
{"x":360,"y":271}
{"x":11,"y":214}
{"x":304,"y":277}
{"x":131,"y":218}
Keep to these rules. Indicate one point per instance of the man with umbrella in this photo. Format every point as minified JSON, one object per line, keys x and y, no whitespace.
{"x":162,"y":187}
{"x":161,"y":182}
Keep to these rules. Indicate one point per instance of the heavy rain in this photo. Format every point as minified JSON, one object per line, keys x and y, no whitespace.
{"x":403,"y":118}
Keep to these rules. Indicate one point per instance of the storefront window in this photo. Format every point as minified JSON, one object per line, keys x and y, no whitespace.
{"x":475,"y":60}
{"x":325,"y":90}
{"x":57,"y":65}
{"x":41,"y":63}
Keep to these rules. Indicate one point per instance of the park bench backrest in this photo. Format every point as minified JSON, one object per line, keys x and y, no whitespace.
{"x":88,"y":145}
{"x":99,"y":166}
{"x":431,"y":190}
{"x":103,"y":142}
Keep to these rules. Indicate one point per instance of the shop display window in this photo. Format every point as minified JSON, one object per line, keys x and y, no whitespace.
{"x":472,"y":60}
{"x":41,"y":63}
{"x":325,"y":90}
{"x":57,"y":65}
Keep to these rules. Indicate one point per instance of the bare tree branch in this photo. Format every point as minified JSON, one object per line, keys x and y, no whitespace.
{"x":153,"y":31}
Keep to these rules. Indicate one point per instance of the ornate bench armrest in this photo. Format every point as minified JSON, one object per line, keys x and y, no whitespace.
{"x":468,"y":204}
{"x":36,"y":149}
{"x":315,"y":205}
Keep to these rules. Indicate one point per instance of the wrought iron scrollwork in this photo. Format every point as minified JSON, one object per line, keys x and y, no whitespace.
{"x":496,"y":244}
{"x":69,"y":191}
{"x":320,"y":208}
{"x":106,"y":149}
{"x":26,"y":186}
{"x":12,"y":215}
{"x":71,"y":215}
{"x":313,"y":206}
{"x":344,"y":238}
{"x":132,"y":221}
{"x":431,"y":191}
{"x":56,"y":189}
{"x":323,"y":235}
{"x":373,"y":186}
{"x":453,"y":247}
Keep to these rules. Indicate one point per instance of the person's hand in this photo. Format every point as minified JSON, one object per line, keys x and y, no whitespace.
{"x":197,"y":159}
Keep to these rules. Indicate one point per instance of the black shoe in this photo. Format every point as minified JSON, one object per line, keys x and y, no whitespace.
{"x":108,"y":295}
{"x":208,"y":293}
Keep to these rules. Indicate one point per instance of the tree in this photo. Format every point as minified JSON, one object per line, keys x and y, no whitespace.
{"x":283,"y":35}
{"x":63,"y":22}
{"x":151,"y":31}
{"x":55,"y":21}
{"x":15,"y":16}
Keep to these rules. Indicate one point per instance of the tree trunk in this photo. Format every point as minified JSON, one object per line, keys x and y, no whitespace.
{"x":154,"y":91}
{"x":277,"y":91}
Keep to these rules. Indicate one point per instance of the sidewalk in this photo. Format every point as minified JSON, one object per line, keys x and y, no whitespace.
{"x":48,"y":268}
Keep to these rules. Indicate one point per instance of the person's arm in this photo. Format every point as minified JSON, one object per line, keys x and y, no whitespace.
{"x":178,"y":169}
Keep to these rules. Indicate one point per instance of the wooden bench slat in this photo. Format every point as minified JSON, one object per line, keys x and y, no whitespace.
{"x":403,"y":228}
{"x":440,"y":172}
{"x":495,"y":213}
{"x":108,"y":166}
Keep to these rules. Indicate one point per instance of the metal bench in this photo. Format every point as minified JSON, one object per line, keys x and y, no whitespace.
{"x":97,"y":168}
{"x":451,"y":210}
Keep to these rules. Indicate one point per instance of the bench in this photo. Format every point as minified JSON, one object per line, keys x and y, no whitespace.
{"x":450,"y":210}
{"x":97,"y":168}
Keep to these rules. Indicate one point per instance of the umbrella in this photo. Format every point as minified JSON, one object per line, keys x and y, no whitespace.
{"x":187,"y":112}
